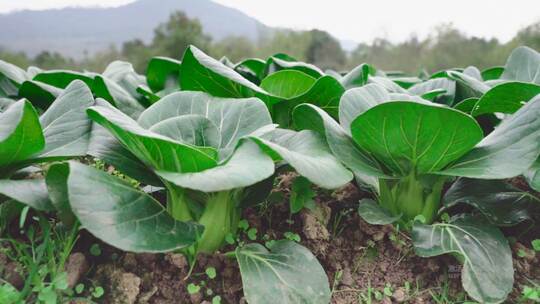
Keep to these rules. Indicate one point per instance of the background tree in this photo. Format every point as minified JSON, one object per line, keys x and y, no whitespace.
{"x":235,"y":48}
{"x":325,"y":51}
{"x":172,"y":37}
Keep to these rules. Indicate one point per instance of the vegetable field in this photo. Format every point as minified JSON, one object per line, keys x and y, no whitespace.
{"x":270,"y":181}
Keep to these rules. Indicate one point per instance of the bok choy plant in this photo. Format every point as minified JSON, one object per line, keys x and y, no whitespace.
{"x":407,"y":151}
{"x":29,"y":141}
{"x":214,"y":156}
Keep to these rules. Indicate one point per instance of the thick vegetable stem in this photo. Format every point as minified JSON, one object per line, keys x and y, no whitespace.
{"x":219,"y":215}
{"x":410,"y":197}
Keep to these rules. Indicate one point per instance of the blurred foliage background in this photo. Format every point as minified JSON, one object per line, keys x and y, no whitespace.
{"x":446,"y":47}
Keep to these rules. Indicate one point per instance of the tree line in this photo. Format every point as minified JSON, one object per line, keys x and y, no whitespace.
{"x":445,"y":47}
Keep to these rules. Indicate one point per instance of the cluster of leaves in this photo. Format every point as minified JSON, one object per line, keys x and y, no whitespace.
{"x":205,"y":132}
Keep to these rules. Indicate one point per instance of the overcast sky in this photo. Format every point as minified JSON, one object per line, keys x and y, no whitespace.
{"x":363,"y":20}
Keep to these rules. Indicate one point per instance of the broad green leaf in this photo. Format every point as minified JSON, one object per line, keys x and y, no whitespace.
{"x":492,"y":73}
{"x":11,"y":77}
{"x":31,"y":192}
{"x":406,"y":82}
{"x":308,"y":154}
{"x":501,"y":203}
{"x":287,"y":274}
{"x":287,"y":84}
{"x":149,"y":95}
{"x":358,"y":100}
{"x":433,"y":95}
{"x":162,"y":72}
{"x":12,"y":72}
{"x":467,"y":86}
{"x":125,"y":217}
{"x":374,"y":214}
{"x":473,"y":72}
{"x":523,"y":64}
{"x":310,"y":117}
{"x":199,"y":72}
{"x":104,"y":146}
{"x":190,"y":129}
{"x":112,"y":92}
{"x":466,"y":105}
{"x":155,"y":150}
{"x":235,"y":118}
{"x":247,"y":166}
{"x":275,"y":64}
{"x":253,"y":66}
{"x":505,"y":98}
{"x":39,"y":94}
{"x":507,"y":151}
{"x":334,"y":74}
{"x":388,"y":84}
{"x":487,"y":274}
{"x":123,"y":74}
{"x":21,"y":135}
{"x":62,"y":78}
{"x":411,"y":137}
{"x":430,"y":85}
{"x":301,"y":195}
{"x":66,"y":126}
{"x":56,"y":182}
{"x":357,"y":77}
{"x":325,"y":93}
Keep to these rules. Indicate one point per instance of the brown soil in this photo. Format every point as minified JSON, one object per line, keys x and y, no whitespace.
{"x":357,"y":258}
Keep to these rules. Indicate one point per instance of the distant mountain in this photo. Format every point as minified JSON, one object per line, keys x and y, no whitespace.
{"x":74,"y":31}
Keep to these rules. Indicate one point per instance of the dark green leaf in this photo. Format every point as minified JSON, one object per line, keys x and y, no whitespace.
{"x":287,"y":84}
{"x":500,"y":202}
{"x":310,"y":117}
{"x":492,"y":73}
{"x":125,"y":217}
{"x":275,"y":64}
{"x":506,"y":98}
{"x":466,"y":105}
{"x":430,"y":85}
{"x":62,"y":78}
{"x":506,"y":152}
{"x":31,"y":192}
{"x":374,"y":214}
{"x":40,"y":94}
{"x":65,"y":124}
{"x":288,"y":274}
{"x":412,"y":137}
{"x":487,"y":273}
{"x":21,"y":135}
{"x":325,"y":93}
{"x":247,"y":166}
{"x":203,"y":73}
{"x":523,"y":64}
{"x":162,"y":72}
{"x":358,"y":100}
{"x":308,"y":154}
{"x":112,"y":92}
{"x":158,"y":151}
{"x":56,"y":181}
{"x":357,"y":77}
